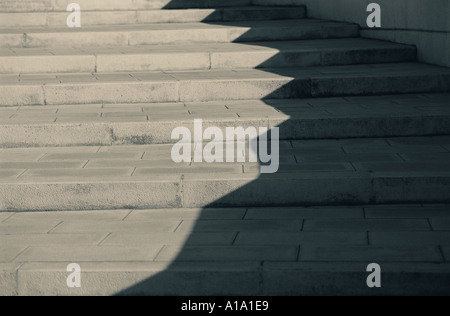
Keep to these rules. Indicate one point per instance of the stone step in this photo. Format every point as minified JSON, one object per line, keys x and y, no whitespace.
{"x":204,"y":56}
{"x":218,"y":85}
{"x":242,"y":251}
{"x":227,"y":278}
{"x":93,"y":5}
{"x":311,"y":172}
{"x":173,"y":33}
{"x":317,"y":118}
{"x":136,"y":16}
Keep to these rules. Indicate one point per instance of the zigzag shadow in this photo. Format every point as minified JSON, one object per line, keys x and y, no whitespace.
{"x":174,"y":280}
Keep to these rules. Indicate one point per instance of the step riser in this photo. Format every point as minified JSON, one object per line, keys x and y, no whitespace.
{"x":152,"y":37}
{"x":297,"y":279}
{"x":89,"y":5}
{"x":200,"y":61}
{"x":268,"y":190}
{"x":239,"y":89}
{"x":332,"y":172}
{"x":58,"y":19}
{"x":139,"y":133}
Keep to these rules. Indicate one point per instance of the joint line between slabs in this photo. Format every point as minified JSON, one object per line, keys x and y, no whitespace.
{"x":429,"y":223}
{"x":85,"y":164}
{"x":40,"y":158}
{"x":245,"y":213}
{"x":128,"y":214}
{"x":55,"y":227}
{"x":235,"y":237}
{"x":178,"y":226}
{"x":441,"y":251}
{"x":388,"y":142}
{"x":159,"y":252}
{"x":16,"y":276}
{"x":401,"y":157}
{"x":298,"y":253}
{"x":104,"y":239}
{"x":20,"y":253}
{"x":22,"y":173}
{"x":8,"y":217}
{"x":182,"y":188}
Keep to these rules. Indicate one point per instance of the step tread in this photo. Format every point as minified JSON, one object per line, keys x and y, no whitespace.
{"x":140,"y":34}
{"x":153,"y":163}
{"x":51,"y":5}
{"x":162,"y":11}
{"x":163,"y":226}
{"x":204,"y":56}
{"x":174,"y":26}
{"x":245,"y":245}
{"x":150,"y":123}
{"x":216,"y":85}
{"x":139,"y":16}
{"x":232,"y":278}
{"x":284,"y":46}
{"x":346,"y":71}
{"x":232,"y":111}
{"x":311,"y":172}
{"x":228,"y":84}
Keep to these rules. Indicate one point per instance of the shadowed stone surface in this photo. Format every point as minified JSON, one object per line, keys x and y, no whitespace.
{"x":86,"y":175}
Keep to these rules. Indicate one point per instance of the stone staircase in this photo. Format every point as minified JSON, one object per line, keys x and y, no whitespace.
{"x":87,"y":117}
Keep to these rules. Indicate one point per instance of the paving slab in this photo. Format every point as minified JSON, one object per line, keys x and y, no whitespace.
{"x":88,"y":253}
{"x":90,"y":193}
{"x":292,"y":213}
{"x":28,"y":227}
{"x":345,"y":279}
{"x":108,"y":215}
{"x":4,"y":216}
{"x":118,"y":226}
{"x":9,"y":252}
{"x":177,"y":239}
{"x":11,"y":174}
{"x":435,"y":238}
{"x":90,"y":173}
{"x":52,"y":240}
{"x":383,"y":225}
{"x":407,"y":211}
{"x":440,"y":223}
{"x":188,"y":214}
{"x":240,"y":225}
{"x":299,"y":238}
{"x":371,"y":254}
{"x":227,"y":253}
